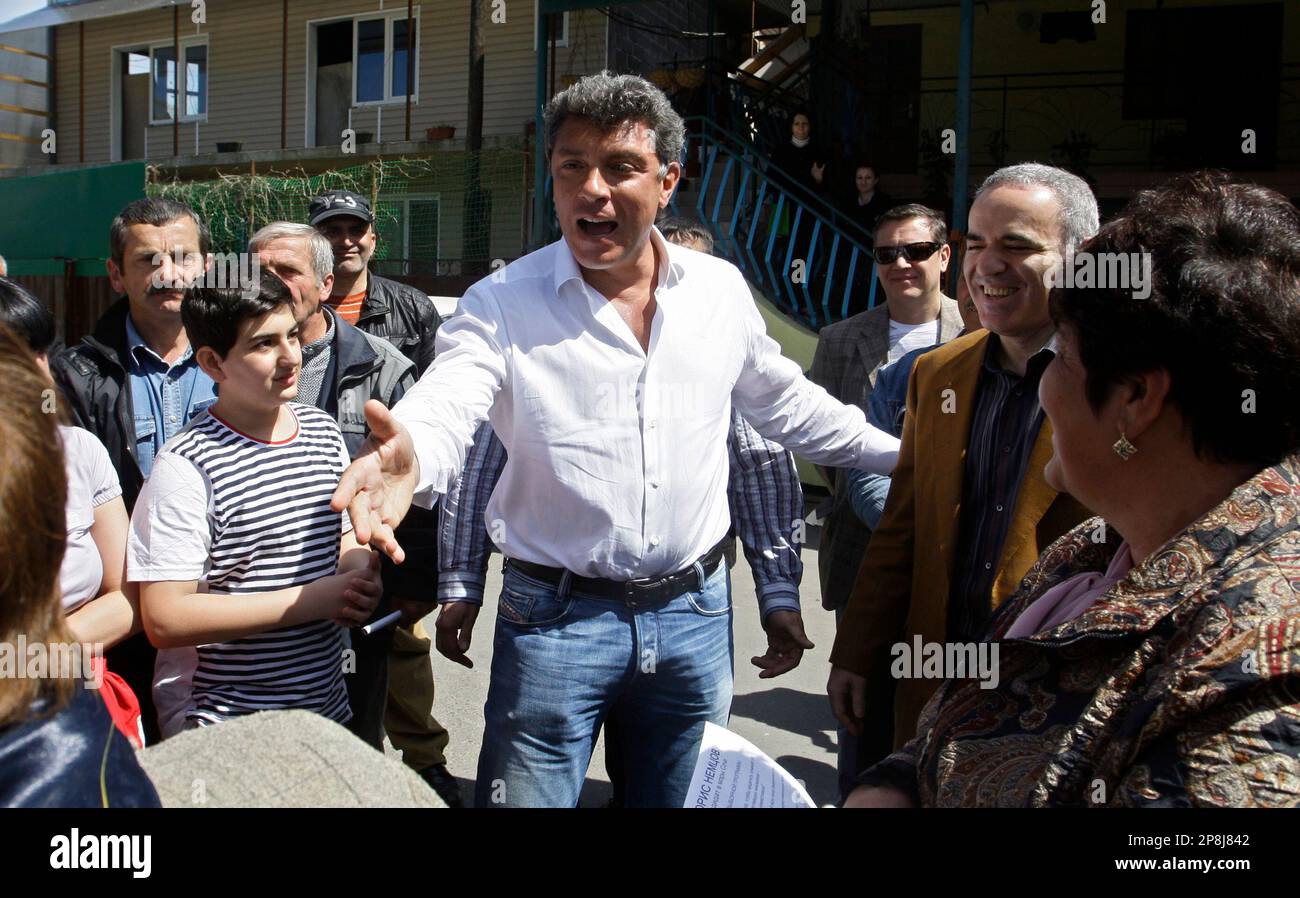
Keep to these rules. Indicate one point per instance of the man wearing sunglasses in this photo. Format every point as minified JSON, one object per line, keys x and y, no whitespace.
{"x":969,"y":509}
{"x":912,"y":253}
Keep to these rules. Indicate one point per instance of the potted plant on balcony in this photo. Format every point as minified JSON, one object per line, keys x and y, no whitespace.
{"x":440,"y":131}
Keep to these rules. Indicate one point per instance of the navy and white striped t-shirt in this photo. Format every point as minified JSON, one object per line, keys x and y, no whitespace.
{"x":247,"y":516}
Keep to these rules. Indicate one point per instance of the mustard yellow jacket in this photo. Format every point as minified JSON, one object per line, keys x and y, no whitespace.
{"x":903,"y":584}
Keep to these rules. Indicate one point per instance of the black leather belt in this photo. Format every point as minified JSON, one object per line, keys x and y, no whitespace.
{"x":646,"y":591}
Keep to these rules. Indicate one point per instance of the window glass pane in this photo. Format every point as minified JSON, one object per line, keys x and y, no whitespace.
{"x":137,"y":63}
{"x":164,"y":82}
{"x":196,"y":80}
{"x":370,"y":60}
{"x":399,"y":55}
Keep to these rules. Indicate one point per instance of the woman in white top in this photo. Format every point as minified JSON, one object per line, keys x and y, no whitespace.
{"x":100,"y":606}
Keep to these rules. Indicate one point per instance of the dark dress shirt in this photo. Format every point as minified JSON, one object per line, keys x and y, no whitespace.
{"x":1003,"y":430}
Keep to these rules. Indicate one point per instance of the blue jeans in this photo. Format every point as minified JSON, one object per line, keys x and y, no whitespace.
{"x":561,"y":660}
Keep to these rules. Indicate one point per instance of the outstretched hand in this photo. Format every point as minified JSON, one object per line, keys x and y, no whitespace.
{"x":786,"y":643}
{"x":377,"y":487}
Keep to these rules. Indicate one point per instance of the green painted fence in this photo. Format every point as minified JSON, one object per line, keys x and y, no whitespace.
{"x":46,"y":220}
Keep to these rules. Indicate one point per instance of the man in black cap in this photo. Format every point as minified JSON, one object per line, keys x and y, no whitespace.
{"x":407,"y":319}
{"x":400,"y":314}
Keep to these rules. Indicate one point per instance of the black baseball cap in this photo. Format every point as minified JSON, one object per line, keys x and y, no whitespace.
{"x":334,"y":203}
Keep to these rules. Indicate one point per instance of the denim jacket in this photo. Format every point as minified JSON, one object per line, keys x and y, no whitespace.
{"x":867,"y":492}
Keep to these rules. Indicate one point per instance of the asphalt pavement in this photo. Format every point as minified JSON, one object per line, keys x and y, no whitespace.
{"x":787,"y":717}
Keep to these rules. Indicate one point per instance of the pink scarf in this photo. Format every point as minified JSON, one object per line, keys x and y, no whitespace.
{"x":1068,"y":599}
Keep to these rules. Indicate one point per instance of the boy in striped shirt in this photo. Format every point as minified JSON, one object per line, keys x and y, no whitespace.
{"x":247,"y":579}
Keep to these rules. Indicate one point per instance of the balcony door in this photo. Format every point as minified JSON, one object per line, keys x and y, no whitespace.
{"x":332,"y":81}
{"x":131,"y":102}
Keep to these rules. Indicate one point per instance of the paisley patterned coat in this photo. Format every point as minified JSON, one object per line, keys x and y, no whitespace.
{"x":1180,"y":686}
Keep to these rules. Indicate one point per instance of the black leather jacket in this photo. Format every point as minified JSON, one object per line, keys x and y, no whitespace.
{"x":403,"y":316}
{"x":407,"y":319}
{"x":73,"y":759}
{"x":93,"y":378}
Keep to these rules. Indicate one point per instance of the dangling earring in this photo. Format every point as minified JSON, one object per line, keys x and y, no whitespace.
{"x":1123,"y":448}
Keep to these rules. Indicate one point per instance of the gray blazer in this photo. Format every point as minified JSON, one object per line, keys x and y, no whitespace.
{"x":849,"y":355}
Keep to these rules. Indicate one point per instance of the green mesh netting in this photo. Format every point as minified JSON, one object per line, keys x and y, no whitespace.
{"x":430,"y":217}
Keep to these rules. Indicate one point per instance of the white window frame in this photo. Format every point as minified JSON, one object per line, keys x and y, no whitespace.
{"x":191,"y":41}
{"x":389,"y":17}
{"x":406,"y":222}
{"x":562,"y":39}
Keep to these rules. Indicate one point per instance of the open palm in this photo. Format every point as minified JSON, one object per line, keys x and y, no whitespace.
{"x":377,"y":487}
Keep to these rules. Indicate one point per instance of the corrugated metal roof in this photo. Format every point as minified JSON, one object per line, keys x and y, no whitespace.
{"x":65,"y":13}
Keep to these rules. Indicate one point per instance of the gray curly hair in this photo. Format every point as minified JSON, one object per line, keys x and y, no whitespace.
{"x":609,"y":101}
{"x":1079,"y":218}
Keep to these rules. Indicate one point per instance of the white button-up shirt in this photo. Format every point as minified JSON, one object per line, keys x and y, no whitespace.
{"x":617,"y":456}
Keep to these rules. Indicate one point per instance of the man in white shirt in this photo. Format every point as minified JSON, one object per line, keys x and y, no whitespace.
{"x":607,"y":364}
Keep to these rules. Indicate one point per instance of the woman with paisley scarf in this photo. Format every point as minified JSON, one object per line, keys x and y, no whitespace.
{"x":1152,"y":655}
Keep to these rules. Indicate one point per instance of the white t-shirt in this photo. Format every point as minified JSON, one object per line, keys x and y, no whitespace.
{"x":903,"y":338}
{"x":92,"y":482}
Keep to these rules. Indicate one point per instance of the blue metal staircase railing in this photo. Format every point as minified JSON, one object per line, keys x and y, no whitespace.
{"x":762,"y":116}
{"x":810,"y":259}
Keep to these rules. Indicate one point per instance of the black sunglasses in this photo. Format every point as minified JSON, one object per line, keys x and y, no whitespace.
{"x":912,"y":252}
